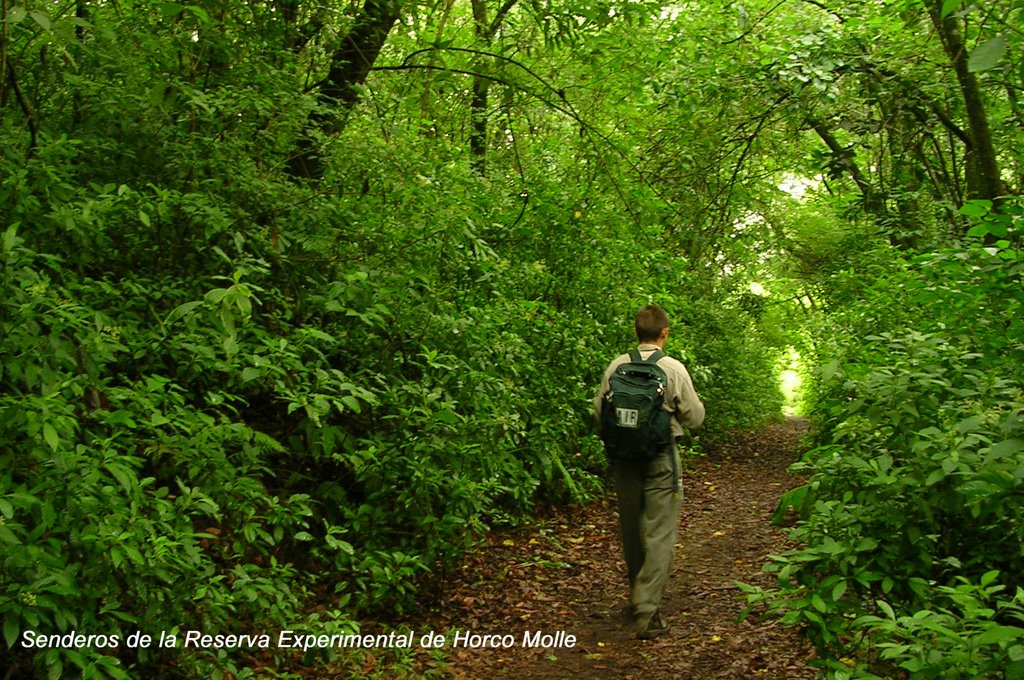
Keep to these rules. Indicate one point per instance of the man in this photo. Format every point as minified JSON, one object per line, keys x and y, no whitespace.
{"x":649,"y":491}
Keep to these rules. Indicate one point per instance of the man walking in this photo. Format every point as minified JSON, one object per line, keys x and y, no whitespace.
{"x":649,"y":488}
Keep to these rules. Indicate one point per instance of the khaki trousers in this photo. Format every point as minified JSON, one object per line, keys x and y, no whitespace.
{"x":649,"y":497}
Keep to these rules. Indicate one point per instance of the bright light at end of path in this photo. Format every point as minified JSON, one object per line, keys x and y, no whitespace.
{"x":791,"y":383}
{"x":797,"y":187}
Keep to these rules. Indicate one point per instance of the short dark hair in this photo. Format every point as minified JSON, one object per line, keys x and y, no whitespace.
{"x":650,"y":321}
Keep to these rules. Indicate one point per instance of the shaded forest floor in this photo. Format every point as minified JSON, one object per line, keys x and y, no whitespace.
{"x":566,"y":574}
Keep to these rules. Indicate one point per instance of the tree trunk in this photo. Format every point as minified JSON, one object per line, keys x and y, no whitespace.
{"x":983,"y":179}
{"x":352,"y":61}
{"x":350,"y":65}
{"x":3,"y":54}
{"x":873,"y":202}
{"x":425,"y":112}
{"x":478,"y":105}
{"x":485,"y":32}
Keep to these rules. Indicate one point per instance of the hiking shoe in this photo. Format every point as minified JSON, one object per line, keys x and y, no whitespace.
{"x":650,"y":625}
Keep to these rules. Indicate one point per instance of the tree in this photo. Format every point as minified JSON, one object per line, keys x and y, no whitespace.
{"x":983,"y":178}
{"x":350,"y":64}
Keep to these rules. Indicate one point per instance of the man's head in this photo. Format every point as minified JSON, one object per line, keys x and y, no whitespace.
{"x":651,"y":324}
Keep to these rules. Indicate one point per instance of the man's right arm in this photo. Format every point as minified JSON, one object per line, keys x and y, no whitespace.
{"x":601,"y":392}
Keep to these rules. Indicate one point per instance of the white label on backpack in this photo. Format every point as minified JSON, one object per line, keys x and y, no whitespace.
{"x":627,"y":417}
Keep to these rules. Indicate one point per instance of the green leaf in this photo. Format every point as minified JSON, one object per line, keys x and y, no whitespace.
{"x":16,"y":14}
{"x":1015,"y":669}
{"x":446,"y":416}
{"x":182,"y":310}
{"x":829,"y":370}
{"x":12,"y":628}
{"x":998,"y":225}
{"x":912,"y":665}
{"x":244,"y":304}
{"x":812,"y":616}
{"x":948,"y":7}
{"x":998,"y":634}
{"x":51,"y":436}
{"x":987,"y":54}
{"x":216,"y":295}
{"x":144,"y":218}
{"x":123,"y":476}
{"x":7,"y":536}
{"x":133,"y":554}
{"x":200,"y":13}
{"x":1007,"y":447}
{"x":320,"y":335}
{"x":838,"y":590}
{"x":793,"y":498}
{"x":976,"y":208}
{"x":41,"y":19}
{"x":988,"y":577}
{"x":969,"y":424}
{"x":11,"y":238}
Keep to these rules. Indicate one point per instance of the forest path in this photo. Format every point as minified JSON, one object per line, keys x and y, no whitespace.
{"x":567,"y":575}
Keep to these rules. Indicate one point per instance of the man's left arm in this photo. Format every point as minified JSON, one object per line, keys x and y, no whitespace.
{"x":689,"y":407}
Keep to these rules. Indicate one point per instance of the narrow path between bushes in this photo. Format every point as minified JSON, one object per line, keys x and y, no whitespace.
{"x":565,"y":577}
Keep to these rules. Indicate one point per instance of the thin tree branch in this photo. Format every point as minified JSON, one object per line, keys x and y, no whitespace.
{"x":3,"y":52}
{"x":755,"y":24}
{"x":499,"y":17}
{"x":481,"y":53}
{"x":26,"y":107}
{"x":822,"y":7}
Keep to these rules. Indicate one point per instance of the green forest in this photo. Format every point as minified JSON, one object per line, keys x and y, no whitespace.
{"x":299,"y":300}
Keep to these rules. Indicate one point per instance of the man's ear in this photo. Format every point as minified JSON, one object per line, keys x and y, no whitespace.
{"x":664,"y":333}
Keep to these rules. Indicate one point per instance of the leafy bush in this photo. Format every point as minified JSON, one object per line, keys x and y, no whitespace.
{"x":914,"y":493}
{"x":969,"y":633}
{"x":123,"y":506}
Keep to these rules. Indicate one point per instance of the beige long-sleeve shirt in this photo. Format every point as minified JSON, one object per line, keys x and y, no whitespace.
{"x":681,"y":398}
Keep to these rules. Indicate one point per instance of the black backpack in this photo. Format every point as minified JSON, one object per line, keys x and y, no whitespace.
{"x":634,"y":424}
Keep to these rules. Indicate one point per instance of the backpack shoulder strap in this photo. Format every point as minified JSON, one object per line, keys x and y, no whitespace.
{"x":655,"y":355}
{"x":634,"y":355}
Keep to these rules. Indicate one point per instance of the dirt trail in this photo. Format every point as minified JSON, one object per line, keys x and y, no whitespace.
{"x":567,"y":576}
